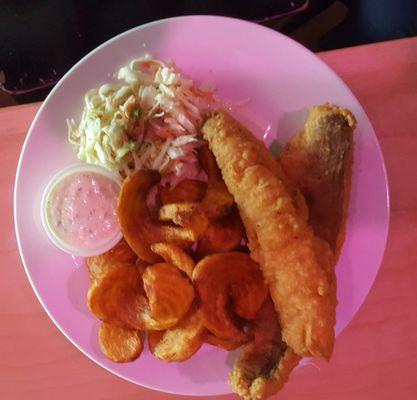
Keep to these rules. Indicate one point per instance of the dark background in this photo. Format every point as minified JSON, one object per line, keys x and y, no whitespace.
{"x":41,"y":39}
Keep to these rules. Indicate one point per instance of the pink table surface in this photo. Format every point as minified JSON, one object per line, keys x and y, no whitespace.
{"x":374,"y":358}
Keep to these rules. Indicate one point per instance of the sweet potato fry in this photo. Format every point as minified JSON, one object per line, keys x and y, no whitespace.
{"x":119,"y":344}
{"x":188,"y":190}
{"x":223,"y":234}
{"x":138,"y":228}
{"x":127,"y":297}
{"x":179,"y":342}
{"x":106,"y":296}
{"x":187,"y":215}
{"x":228,"y":279}
{"x":175,"y":255}
{"x":217,"y":200}
{"x":170,"y":293}
{"x":100,"y":265}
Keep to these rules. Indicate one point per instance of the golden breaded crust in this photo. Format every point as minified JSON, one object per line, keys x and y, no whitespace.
{"x":318,"y":161}
{"x":297,"y":266}
{"x":264,"y":365}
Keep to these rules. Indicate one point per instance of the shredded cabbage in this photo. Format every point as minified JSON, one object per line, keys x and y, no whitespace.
{"x":150,"y":118}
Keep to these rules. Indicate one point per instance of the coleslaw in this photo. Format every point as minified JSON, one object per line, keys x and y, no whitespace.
{"x":149,"y":119}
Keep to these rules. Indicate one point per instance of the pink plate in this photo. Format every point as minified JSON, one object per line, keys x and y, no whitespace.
{"x":275,"y":80}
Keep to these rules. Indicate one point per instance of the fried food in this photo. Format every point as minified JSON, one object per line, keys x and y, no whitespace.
{"x":179,"y":213}
{"x":264,"y":364}
{"x":318,"y":161}
{"x":136,"y":224}
{"x":128,"y":298}
{"x":175,"y":255}
{"x":99,"y":266}
{"x":170,"y":293}
{"x":223,"y":234}
{"x":119,"y":344}
{"x":103,"y":294}
{"x":214,"y":202}
{"x":181,"y":341}
{"x":187,"y":215}
{"x":228,"y":278}
{"x":233,"y":307}
{"x":217,"y":200}
{"x":225,"y":344}
{"x":297,"y":265}
{"x":188,"y":190}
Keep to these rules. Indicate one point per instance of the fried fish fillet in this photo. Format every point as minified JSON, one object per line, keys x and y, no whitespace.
{"x":318,"y":161}
{"x":264,"y":364}
{"x":296,"y":264}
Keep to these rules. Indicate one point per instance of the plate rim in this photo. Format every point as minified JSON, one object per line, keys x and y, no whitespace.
{"x":251,"y":25}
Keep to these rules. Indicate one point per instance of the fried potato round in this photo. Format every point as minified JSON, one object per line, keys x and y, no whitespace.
{"x":120,"y":299}
{"x":175,"y":255}
{"x":136,"y":224}
{"x":170,"y":293}
{"x":187,"y":215}
{"x":217,"y":200}
{"x":179,"y":213}
{"x":119,"y":344}
{"x":181,"y":341}
{"x":121,"y":288}
{"x":225,"y":344}
{"x":99,"y":266}
{"x":222,"y":235}
{"x":228,"y":282}
{"x":188,"y":190}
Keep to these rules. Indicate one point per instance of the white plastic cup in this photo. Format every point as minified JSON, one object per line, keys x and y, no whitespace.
{"x":54,"y":238}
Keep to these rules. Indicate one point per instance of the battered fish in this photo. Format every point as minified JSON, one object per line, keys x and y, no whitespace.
{"x":297,"y":265}
{"x":318,"y":161}
{"x":264,"y":364}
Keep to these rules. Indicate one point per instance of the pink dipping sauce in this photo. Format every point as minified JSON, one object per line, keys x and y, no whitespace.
{"x":81,"y":209}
